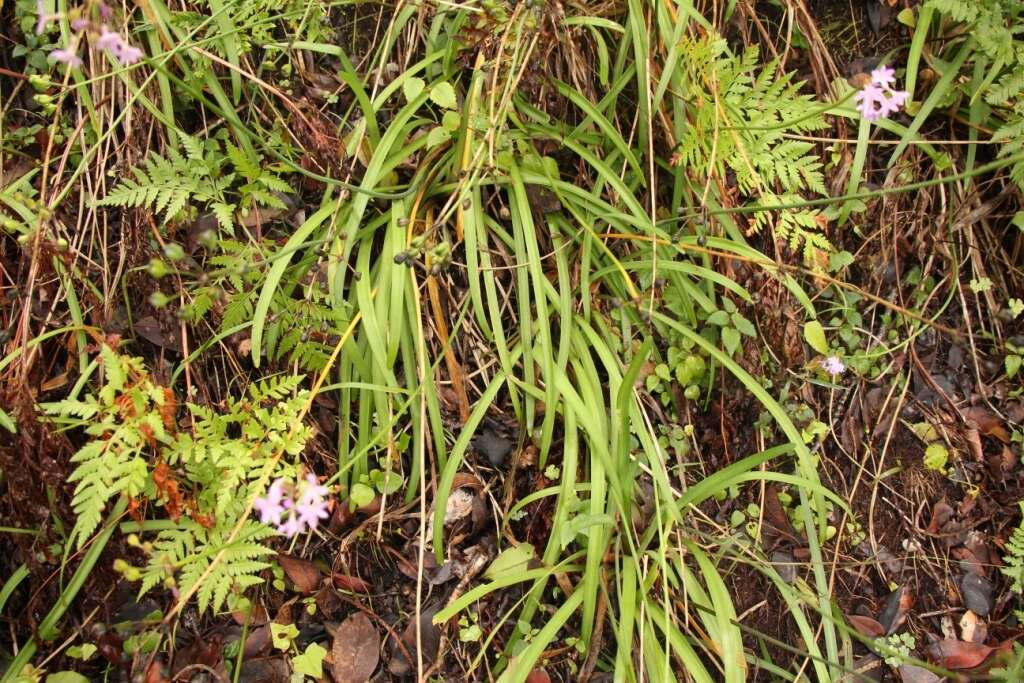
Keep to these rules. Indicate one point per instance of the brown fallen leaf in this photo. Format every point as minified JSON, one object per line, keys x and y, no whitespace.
{"x":957,"y":654}
{"x":988,"y":423}
{"x":866,"y":626}
{"x":258,"y":642}
{"x":156,"y":672}
{"x":165,"y":336}
{"x":256,"y":617}
{"x":302,"y":573}
{"x":430,"y":635}
{"x":264,"y":670}
{"x":351,"y":583}
{"x":910,"y":673}
{"x":356,"y":650}
{"x":973,"y":629}
{"x":328,"y":601}
{"x":897,"y":605}
{"x":538,"y":676}
{"x":942,"y":512}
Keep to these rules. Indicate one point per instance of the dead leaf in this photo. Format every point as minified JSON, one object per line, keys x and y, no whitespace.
{"x":256,"y":617}
{"x":150,"y":329}
{"x":988,"y":422}
{"x":941,"y":513}
{"x":957,"y":654}
{"x":430,"y":634}
{"x":775,"y":515}
{"x":973,"y":629}
{"x":866,"y":626}
{"x":55,"y":382}
{"x":351,"y":583}
{"x":257,"y":643}
{"x":264,"y":670}
{"x":459,"y":504}
{"x":328,"y":601}
{"x":302,"y":573}
{"x":910,"y":673}
{"x":897,"y":605}
{"x":356,"y":650}
{"x":538,"y":676}
{"x":156,"y":672}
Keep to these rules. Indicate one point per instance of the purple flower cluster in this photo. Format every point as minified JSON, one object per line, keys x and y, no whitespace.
{"x":878,"y":99}
{"x":300,"y":506}
{"x":833,"y":366}
{"x":105,"y":39}
{"x":122,"y":51}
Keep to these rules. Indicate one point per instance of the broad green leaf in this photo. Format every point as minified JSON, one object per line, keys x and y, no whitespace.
{"x":84,"y":651}
{"x":1012,"y":363}
{"x":362,"y":495}
{"x":66,"y":677}
{"x":814,"y":334}
{"x":437,"y":136}
{"x":935,"y":457}
{"x":730,"y":339}
{"x":412,"y":88}
{"x":443,"y":95}
{"x":283,"y":635}
{"x":514,"y":560}
{"x":451,"y":121}
{"x":310,"y":662}
{"x":743,"y":325}
{"x":718,"y":318}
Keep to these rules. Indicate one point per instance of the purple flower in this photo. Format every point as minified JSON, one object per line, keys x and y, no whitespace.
{"x":129,"y":54}
{"x":877,"y":99}
{"x":79,"y":25}
{"x":304,"y":504}
{"x":312,"y":507}
{"x":833,"y":366}
{"x":108,"y":40}
{"x":66,"y":56}
{"x":269,"y":506}
{"x":292,"y":526}
{"x":883,"y":76}
{"x":122,"y":51}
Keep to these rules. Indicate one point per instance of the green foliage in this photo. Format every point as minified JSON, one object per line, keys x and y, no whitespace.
{"x":123,"y":418}
{"x":1013,"y":560}
{"x":190,"y":551}
{"x":996,"y":27}
{"x":216,"y":176}
{"x":741,"y":115}
{"x":204,"y":477}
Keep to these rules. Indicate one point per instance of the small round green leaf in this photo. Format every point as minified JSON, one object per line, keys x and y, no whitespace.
{"x":443,"y":95}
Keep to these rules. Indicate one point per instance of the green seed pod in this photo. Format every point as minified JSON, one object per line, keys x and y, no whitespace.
{"x":157,"y":268}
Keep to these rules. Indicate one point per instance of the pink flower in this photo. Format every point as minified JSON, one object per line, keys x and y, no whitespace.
{"x":312,"y":507}
{"x":108,"y":40}
{"x":883,"y":76}
{"x":292,"y":526}
{"x":122,"y":51}
{"x":833,"y":366}
{"x":877,"y":99}
{"x":129,"y":54}
{"x":304,"y":504}
{"x":79,"y":25}
{"x":67,"y":57}
{"x":269,"y":506}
